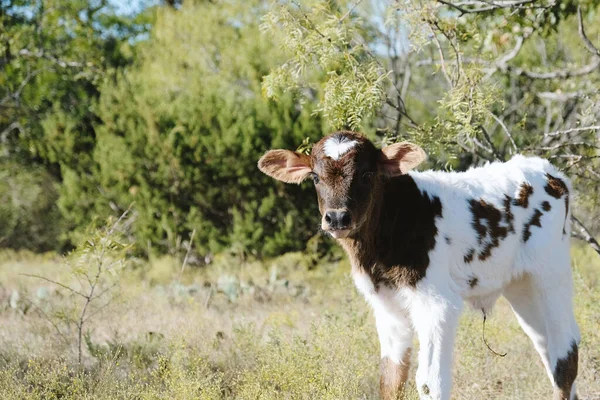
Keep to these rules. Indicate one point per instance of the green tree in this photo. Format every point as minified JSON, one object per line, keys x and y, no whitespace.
{"x":182,"y":131}
{"x":54,"y":55}
{"x":28,"y":211}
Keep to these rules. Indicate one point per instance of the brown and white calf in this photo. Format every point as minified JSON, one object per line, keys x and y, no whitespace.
{"x":421,"y":243}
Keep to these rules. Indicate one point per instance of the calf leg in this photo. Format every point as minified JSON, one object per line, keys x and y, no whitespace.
{"x":545,"y":312}
{"x":395,"y":336}
{"x":435,"y":315}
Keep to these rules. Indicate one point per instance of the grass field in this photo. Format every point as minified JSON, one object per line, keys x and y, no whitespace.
{"x":282,"y":329}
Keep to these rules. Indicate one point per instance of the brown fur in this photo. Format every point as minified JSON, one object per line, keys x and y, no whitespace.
{"x":533,"y":221}
{"x":546,"y":206}
{"x":524,"y":194}
{"x":339,"y":179}
{"x":393,"y":247}
{"x":489,"y":235}
{"x":557,"y":188}
{"x":469,"y":256}
{"x":508,"y":215}
{"x":565,"y":373}
{"x":486,"y":252}
{"x":473,"y":282}
{"x":393,"y":377}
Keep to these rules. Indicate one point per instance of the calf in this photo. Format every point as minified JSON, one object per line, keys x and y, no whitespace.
{"x":422,"y":242}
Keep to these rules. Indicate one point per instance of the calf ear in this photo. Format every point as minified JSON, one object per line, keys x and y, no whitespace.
{"x":399,"y":158}
{"x":285,"y":165}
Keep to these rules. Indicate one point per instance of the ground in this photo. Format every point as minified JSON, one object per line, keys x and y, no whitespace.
{"x":279,"y":329}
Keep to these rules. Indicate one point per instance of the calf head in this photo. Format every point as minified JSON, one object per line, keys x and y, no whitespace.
{"x":348,"y":172}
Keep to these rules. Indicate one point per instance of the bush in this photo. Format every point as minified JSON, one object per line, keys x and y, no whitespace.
{"x":28,"y":213}
{"x":181,"y":135}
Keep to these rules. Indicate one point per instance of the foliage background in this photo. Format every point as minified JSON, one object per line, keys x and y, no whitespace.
{"x":170,"y":119}
{"x":212,"y":280}
{"x":167,"y":106}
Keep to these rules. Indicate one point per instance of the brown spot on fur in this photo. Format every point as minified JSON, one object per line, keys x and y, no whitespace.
{"x":479,"y":210}
{"x":557,"y":188}
{"x":415,"y":262}
{"x":393,"y":377}
{"x":524,"y":194}
{"x":487,"y":251}
{"x":425,"y":389}
{"x":469,"y":256}
{"x":546,"y":206}
{"x":534,"y":220}
{"x":508,"y":215}
{"x":565,"y":373}
{"x":487,"y":221}
{"x":394,"y":244}
{"x":473,"y":282}
{"x":448,"y":241}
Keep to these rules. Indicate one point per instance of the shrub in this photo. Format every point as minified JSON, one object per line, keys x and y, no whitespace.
{"x":182,"y":132}
{"x":28,"y":213}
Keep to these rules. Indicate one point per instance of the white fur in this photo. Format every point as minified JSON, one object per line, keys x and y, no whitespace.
{"x":337,"y":146}
{"x":535,"y":276}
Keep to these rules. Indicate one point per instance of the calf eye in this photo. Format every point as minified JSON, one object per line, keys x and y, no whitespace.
{"x":368,"y":175}
{"x":315,"y":177}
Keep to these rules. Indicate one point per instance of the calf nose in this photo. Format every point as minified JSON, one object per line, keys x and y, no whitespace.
{"x":338,"y":219}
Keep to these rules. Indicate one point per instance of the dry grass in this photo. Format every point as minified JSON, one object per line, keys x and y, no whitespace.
{"x":277,"y":330}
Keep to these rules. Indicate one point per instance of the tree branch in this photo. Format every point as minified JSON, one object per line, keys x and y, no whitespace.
{"x":565,"y":144}
{"x":8,"y":129}
{"x":431,"y":61}
{"x":586,"y":41}
{"x":492,"y":146}
{"x":17,"y":93}
{"x":473,"y":150}
{"x":501,"y":64}
{"x":56,"y":283}
{"x":505,"y":129}
{"x":47,"y":318}
{"x":356,"y":3}
{"x":401,"y":111}
{"x":187,"y":254}
{"x":456,"y":7}
{"x":513,"y":53}
{"x":560,"y":74}
{"x":98,"y":309}
{"x":567,"y":131}
{"x":456,"y":51}
{"x":491,"y":5}
{"x":585,"y":234}
{"x":442,"y":59}
{"x":553,"y":96}
{"x":57,"y":61}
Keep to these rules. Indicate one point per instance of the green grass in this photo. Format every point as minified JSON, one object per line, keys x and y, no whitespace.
{"x":282,"y":329}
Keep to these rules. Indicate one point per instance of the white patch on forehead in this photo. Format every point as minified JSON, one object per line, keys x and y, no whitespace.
{"x":336,"y":146}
